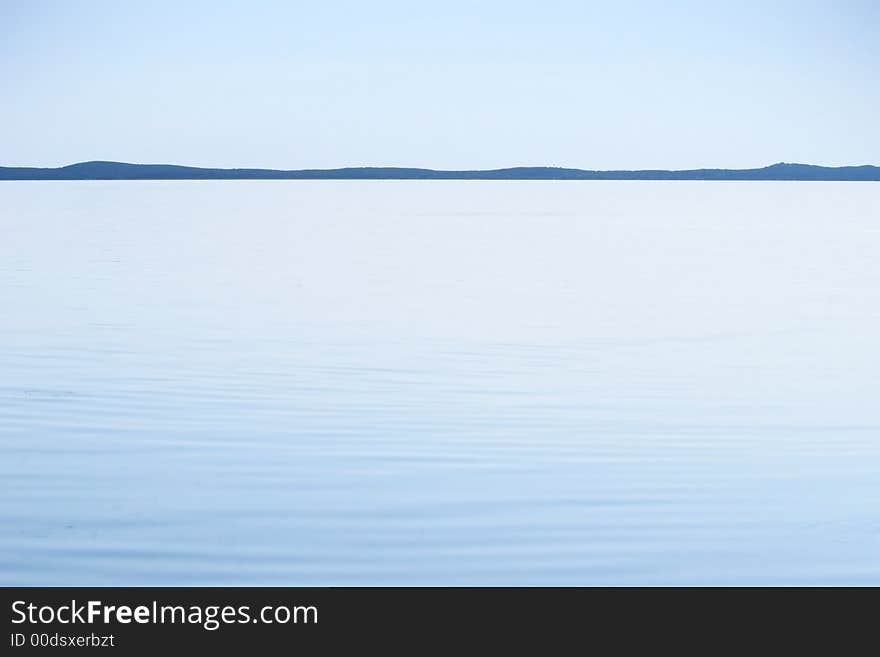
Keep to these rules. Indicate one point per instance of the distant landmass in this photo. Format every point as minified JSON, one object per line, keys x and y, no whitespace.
{"x":125,"y":171}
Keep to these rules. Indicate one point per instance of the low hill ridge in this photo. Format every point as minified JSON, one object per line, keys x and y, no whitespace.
{"x":103,"y":170}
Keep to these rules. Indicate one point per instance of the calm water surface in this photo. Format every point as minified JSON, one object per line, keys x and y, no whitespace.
{"x":439,"y":383}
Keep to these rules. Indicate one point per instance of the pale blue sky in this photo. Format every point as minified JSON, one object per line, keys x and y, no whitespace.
{"x":444,"y":84}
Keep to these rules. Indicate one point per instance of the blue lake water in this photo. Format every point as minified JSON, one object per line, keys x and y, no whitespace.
{"x":439,"y":382}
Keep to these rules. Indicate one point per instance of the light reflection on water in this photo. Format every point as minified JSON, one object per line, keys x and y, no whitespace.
{"x":439,"y":383}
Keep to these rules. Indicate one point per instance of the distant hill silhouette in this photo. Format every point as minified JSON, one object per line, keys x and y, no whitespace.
{"x":125,"y":171}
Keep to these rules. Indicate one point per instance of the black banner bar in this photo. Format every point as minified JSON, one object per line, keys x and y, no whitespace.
{"x":155,"y":620}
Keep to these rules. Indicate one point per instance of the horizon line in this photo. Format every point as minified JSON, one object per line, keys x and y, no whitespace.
{"x":396,"y":166}
{"x":114,"y":170}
